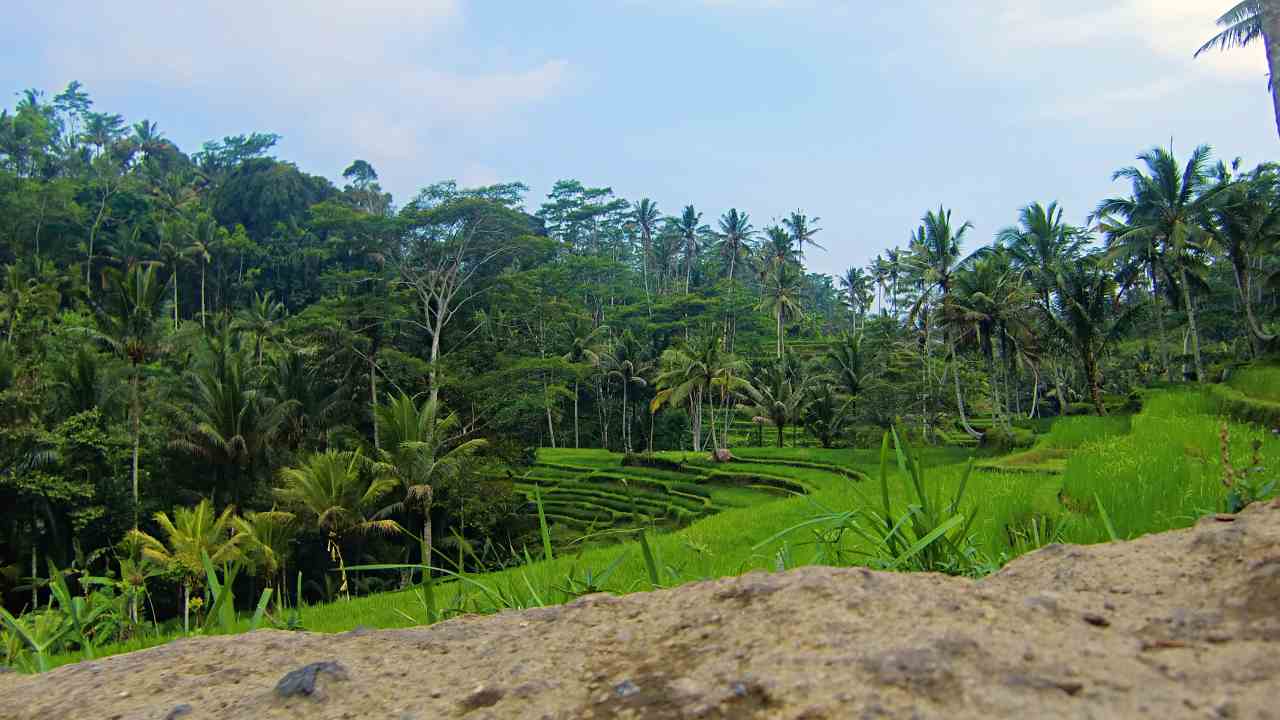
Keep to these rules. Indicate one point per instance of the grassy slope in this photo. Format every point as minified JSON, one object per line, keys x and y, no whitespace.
{"x":1152,"y":472}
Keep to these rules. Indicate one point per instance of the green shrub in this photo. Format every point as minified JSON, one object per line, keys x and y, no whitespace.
{"x":998,"y":438}
{"x":652,"y":461}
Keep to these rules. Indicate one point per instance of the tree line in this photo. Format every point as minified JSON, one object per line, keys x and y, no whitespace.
{"x":219,"y":353}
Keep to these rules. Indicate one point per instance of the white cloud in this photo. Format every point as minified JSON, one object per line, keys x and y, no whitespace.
{"x":1173,"y":29}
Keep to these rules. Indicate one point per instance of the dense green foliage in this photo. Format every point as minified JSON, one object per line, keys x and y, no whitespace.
{"x":218,"y":371}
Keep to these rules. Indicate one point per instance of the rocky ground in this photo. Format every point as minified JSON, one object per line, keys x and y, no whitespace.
{"x":1180,"y":625}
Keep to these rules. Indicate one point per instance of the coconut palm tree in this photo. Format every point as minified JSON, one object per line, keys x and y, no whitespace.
{"x":776,"y":397}
{"x":690,"y":373}
{"x":782,"y":299}
{"x":205,"y":235}
{"x":735,"y":236}
{"x":645,"y":216}
{"x":339,"y":493}
{"x":847,"y":365}
{"x":421,"y":448}
{"x":623,"y":362}
{"x":691,"y":230}
{"x":935,"y":257}
{"x":1168,"y":206}
{"x":988,"y":301}
{"x":1039,"y":243}
{"x":1243,"y":24}
{"x":190,"y":535}
{"x":169,"y":249}
{"x":1245,"y":225}
{"x":1089,"y":316}
{"x":266,"y":540}
{"x":802,"y":229}
{"x":584,"y":350}
{"x":857,"y":289}
{"x":126,"y":315}
{"x":261,"y":320}
{"x":230,"y":421}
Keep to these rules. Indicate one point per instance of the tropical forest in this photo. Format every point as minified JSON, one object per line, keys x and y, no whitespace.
{"x":239,"y":393}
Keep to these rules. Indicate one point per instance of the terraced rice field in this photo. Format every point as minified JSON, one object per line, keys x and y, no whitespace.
{"x":585,"y":492}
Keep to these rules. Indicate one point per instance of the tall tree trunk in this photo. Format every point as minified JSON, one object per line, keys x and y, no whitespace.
{"x":136,"y":411}
{"x":779,"y":331}
{"x":202,"y":308}
{"x":175,"y":295}
{"x":1095,"y":383}
{"x":1191,"y":325}
{"x":1244,"y":284}
{"x":373,"y":398}
{"x":1271,"y":36}
{"x":551,"y":428}
{"x":1158,"y":306}
{"x":955,"y":374}
{"x":186,"y":607}
{"x":576,"y":444}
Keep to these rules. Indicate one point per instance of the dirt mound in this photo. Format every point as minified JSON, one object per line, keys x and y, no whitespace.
{"x":1185,"y":624}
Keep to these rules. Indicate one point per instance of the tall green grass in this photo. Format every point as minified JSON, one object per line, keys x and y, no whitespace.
{"x":1261,"y":382}
{"x":1068,"y":433}
{"x":1164,"y":474}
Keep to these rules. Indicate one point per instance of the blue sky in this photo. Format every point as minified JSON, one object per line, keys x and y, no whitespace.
{"x":865,"y":114}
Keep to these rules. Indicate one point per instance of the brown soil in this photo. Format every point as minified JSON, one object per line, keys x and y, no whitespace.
{"x":1180,"y":625}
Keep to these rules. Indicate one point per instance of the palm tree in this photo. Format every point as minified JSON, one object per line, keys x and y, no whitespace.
{"x":126,"y":316}
{"x":266,"y":539}
{"x":987,"y":302}
{"x":846,"y":365}
{"x":203,"y":239}
{"x":735,"y":246}
{"x":1245,"y":224}
{"x":893,"y":265}
{"x":584,"y":349}
{"x":690,"y":373}
{"x":1040,"y":243}
{"x":422,"y":450}
{"x":802,"y":231}
{"x":782,"y":299}
{"x":169,"y":249}
{"x":230,"y":421}
{"x":776,"y":397}
{"x":691,"y":229}
{"x":646,"y":218}
{"x":1242,"y":25}
{"x":262,"y":320}
{"x":338,"y":492}
{"x":935,"y":255}
{"x":1168,"y":207}
{"x":857,"y":287}
{"x":189,"y":536}
{"x":1089,"y":316}
{"x":623,"y":362}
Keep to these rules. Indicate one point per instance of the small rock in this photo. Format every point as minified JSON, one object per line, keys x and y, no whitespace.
{"x":483,"y":696}
{"x":1223,"y":517}
{"x":178,"y":711}
{"x":303,"y":680}
{"x":1096,"y":620}
{"x":626,"y":688}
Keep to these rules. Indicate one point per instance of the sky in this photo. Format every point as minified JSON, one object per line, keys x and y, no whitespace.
{"x":863,"y":114}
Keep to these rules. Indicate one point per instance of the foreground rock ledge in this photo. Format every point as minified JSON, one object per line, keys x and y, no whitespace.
{"x":1184,"y":624}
